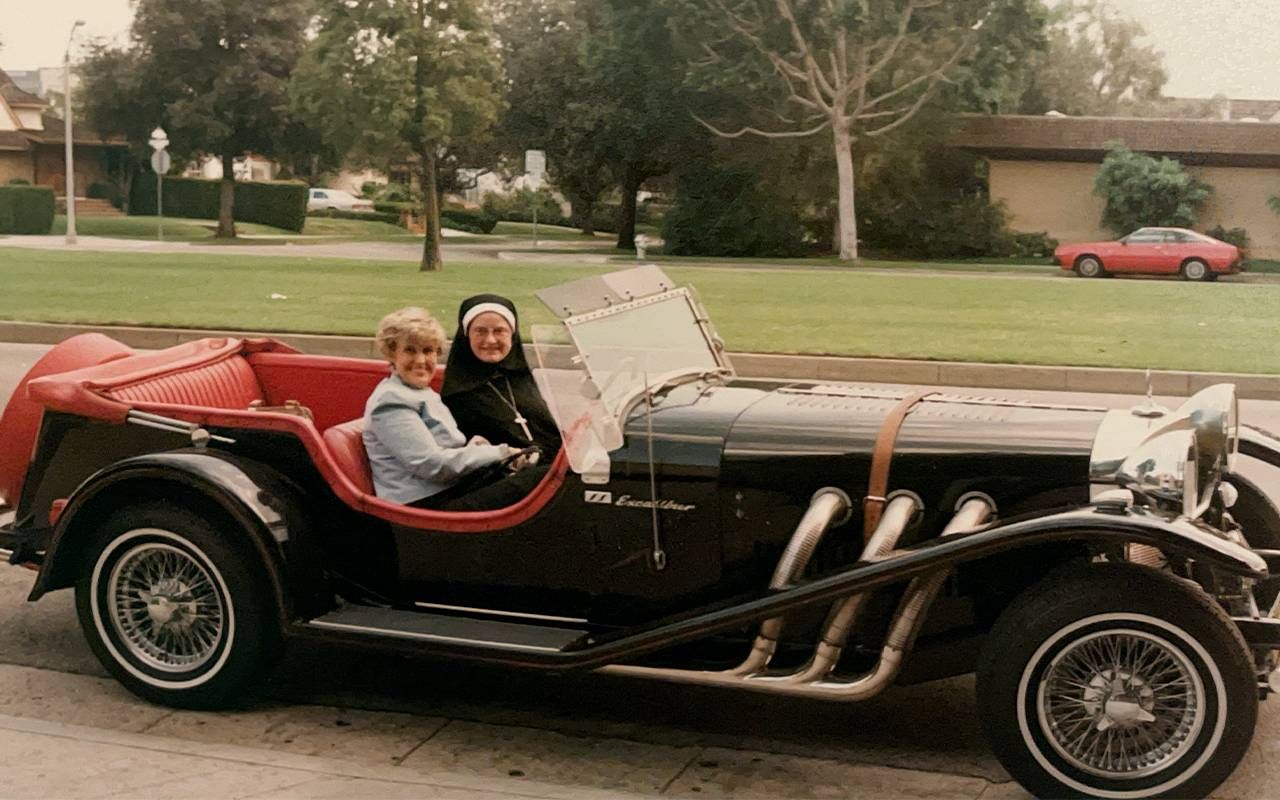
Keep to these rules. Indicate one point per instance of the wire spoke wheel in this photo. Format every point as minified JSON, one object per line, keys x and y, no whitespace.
{"x":165,"y":607}
{"x":1121,"y":704}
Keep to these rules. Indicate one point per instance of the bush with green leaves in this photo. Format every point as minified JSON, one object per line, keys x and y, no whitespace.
{"x":1237,"y":236}
{"x":1141,"y":190}
{"x":393,"y":193}
{"x":461,"y":219}
{"x":282,"y":204}
{"x":103,"y":190}
{"x":370,"y":189}
{"x":366,"y":216}
{"x":19,"y":182}
{"x":723,"y":211}
{"x":26,"y":209}
{"x":1033,"y":245}
{"x":518,"y":206}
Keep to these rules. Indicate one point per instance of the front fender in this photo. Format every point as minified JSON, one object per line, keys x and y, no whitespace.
{"x":1260,"y":444}
{"x":252,"y":496}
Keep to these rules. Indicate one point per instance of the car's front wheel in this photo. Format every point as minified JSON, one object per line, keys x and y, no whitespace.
{"x":173,"y":611}
{"x":1196,"y":270}
{"x":1089,"y":267}
{"x":1117,"y":681}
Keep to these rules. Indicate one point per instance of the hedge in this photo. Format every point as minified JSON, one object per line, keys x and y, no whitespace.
{"x":26,"y":209}
{"x":367,"y":216}
{"x":470,"y":221}
{"x":282,"y":204}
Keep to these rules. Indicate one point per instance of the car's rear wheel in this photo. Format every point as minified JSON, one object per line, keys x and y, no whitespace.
{"x":174,"y":610}
{"x":1089,"y":267}
{"x":1117,"y":681}
{"x":1196,"y":270}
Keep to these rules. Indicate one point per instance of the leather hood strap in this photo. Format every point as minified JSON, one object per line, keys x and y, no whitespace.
{"x":881,"y":455}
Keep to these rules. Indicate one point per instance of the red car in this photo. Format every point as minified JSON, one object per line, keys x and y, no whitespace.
{"x":1154,"y":251}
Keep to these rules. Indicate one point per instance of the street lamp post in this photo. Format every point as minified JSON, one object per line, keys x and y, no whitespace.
{"x":66,"y":110}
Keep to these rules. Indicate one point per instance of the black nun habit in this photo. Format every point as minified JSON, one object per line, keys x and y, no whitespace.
{"x":488,"y":399}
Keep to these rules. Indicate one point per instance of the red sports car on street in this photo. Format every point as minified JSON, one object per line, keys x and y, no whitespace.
{"x":1153,"y":251}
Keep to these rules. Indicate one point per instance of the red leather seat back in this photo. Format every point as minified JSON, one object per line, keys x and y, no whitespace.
{"x":346,"y":445}
{"x":228,"y":383}
{"x":21,"y":419}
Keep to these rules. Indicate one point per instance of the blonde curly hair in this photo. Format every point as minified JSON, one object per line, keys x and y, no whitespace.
{"x":411,"y":325}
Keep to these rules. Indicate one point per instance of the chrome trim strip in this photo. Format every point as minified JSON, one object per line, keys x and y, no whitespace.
{"x":5,"y":553}
{"x":869,"y":393}
{"x":429,"y":637}
{"x":496,"y":613}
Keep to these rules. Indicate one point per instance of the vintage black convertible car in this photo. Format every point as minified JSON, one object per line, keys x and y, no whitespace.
{"x":1105,"y":573}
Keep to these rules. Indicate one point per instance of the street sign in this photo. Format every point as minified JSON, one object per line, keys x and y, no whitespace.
{"x":160,"y":162}
{"x":535,"y":163}
{"x":159,"y":139}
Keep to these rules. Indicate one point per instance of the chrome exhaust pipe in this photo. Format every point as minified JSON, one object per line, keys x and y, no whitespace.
{"x":829,"y":506}
{"x":810,"y":680}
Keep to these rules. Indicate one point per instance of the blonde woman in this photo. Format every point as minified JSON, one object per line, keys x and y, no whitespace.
{"x":418,"y":455}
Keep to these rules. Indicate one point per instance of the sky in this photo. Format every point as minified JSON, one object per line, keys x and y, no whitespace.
{"x":1230,"y":47}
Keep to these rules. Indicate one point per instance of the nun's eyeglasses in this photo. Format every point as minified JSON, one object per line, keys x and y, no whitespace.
{"x":485,"y":333}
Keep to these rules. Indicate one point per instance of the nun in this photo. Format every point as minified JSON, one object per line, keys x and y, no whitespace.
{"x":487,"y":383}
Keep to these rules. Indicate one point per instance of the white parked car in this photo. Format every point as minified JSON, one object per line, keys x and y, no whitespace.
{"x":322,"y":199}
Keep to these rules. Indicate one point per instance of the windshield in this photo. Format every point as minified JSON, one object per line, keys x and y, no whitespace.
{"x":591,"y":366}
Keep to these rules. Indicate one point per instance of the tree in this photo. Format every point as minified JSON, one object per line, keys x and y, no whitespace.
{"x":214,"y":74}
{"x":1095,"y":65}
{"x":401,"y":81}
{"x":639,"y":109}
{"x":852,"y":68}
{"x":549,"y":103}
{"x":1140,"y":190}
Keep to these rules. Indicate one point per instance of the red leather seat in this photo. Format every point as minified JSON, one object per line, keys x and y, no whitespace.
{"x":346,"y":445}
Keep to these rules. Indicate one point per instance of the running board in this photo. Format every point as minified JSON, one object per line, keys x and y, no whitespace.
{"x":483,"y":634}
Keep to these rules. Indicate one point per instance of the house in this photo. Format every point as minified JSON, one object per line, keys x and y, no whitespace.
{"x":1043,"y":169}
{"x":32,"y":145}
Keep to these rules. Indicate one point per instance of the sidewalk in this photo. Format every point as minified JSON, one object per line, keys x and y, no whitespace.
{"x":755,"y":365}
{"x":123,"y":747}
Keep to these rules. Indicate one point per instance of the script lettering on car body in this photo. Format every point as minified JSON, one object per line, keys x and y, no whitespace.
{"x":627,"y":501}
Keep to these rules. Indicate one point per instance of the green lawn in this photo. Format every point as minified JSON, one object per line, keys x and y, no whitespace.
{"x":177,"y":229}
{"x":1122,"y":323}
{"x":524,"y":230}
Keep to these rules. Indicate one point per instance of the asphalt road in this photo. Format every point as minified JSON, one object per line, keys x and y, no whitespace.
{"x":582,"y":723}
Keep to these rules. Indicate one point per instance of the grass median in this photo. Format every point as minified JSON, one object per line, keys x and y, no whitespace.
{"x":1116,"y":323}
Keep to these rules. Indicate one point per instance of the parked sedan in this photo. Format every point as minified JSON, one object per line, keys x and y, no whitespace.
{"x":1153,"y":251}
{"x":336,"y":199}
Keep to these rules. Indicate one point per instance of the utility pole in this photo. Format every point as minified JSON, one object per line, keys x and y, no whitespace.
{"x":70,"y":155}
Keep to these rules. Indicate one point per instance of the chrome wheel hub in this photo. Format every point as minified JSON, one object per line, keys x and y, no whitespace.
{"x":1121,"y":704}
{"x":165,"y":607}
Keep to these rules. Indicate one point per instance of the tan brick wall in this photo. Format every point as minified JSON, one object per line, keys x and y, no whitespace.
{"x":1057,"y":197}
{"x":51,"y":160}
{"x":14,"y":165}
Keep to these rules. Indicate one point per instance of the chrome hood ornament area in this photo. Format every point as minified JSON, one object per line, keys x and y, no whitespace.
{"x":1174,"y":458}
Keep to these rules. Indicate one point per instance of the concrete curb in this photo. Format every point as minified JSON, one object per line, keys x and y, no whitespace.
{"x":757,"y":365}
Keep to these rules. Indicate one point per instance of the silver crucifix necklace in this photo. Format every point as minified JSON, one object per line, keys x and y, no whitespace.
{"x":511,"y":402}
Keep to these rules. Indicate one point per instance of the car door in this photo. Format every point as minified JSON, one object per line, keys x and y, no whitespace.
{"x":1140,"y":251}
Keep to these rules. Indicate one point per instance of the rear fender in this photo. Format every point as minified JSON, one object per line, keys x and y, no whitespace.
{"x":1260,"y":444}
{"x":257,"y":502}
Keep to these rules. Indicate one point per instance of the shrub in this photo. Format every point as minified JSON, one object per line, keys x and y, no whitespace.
{"x":460,"y":219}
{"x":937,"y":227}
{"x":371,"y":188}
{"x":393,"y":193}
{"x":723,"y":211}
{"x":1140,"y":190}
{"x":19,"y":182}
{"x":104,"y":191}
{"x":368,"y":216}
{"x":518,"y":206}
{"x":1033,"y":245}
{"x":1237,"y":236}
{"x":282,"y":204}
{"x":26,"y":209}
{"x":393,"y":208}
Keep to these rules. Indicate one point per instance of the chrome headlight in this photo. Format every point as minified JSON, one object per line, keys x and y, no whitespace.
{"x":1165,"y":467}
{"x":1177,"y":456}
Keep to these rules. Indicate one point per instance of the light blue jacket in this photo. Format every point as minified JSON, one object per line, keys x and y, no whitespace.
{"x":415,"y":448}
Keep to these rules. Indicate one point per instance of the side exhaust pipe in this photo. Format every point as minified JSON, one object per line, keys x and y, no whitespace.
{"x":813,"y":679}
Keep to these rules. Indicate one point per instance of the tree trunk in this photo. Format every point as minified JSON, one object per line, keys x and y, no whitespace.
{"x":627,"y":214}
{"x":586,"y":216}
{"x":431,"y":259}
{"x":846,"y":219}
{"x":227,"y":199}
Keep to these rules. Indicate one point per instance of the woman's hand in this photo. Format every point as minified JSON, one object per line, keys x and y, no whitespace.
{"x":475,"y":440}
